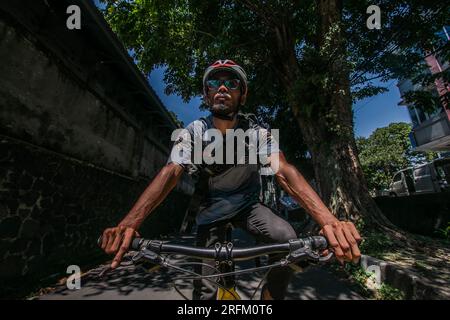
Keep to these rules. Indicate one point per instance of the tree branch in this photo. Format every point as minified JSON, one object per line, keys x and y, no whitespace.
{"x":386,"y":46}
{"x":263,"y":14}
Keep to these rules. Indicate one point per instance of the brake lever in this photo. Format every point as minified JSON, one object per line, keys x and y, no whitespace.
{"x":327,"y":257}
{"x":148,"y":255}
{"x":318,"y":258}
{"x":295,"y":256}
{"x":137,"y":257}
{"x":306,"y":254}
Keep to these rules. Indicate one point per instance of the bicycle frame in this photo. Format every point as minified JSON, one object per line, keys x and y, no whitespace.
{"x":229,"y":294}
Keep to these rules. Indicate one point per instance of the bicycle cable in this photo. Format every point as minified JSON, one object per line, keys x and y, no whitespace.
{"x":198,"y":276}
{"x":270,"y":267}
{"x":259,"y":284}
{"x":277,"y":264}
{"x":206,"y":265}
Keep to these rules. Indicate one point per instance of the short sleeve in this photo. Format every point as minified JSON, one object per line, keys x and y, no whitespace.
{"x":267,"y":142}
{"x":183,"y":148}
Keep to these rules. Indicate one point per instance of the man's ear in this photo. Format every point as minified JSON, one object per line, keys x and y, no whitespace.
{"x":243,"y":99}
{"x":206,"y":100}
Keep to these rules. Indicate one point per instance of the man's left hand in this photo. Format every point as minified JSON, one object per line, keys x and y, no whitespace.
{"x":343,"y":239}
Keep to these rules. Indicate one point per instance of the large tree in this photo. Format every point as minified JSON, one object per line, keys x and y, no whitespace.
{"x":312,"y":58}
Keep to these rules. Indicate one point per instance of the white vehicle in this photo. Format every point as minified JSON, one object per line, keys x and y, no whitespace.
{"x":426,"y":178}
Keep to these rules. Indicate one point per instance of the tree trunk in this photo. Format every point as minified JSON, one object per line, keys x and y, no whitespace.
{"x":338,"y":172}
{"x":328,"y":127}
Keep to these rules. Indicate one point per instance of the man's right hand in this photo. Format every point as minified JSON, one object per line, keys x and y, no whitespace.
{"x":116,"y":241}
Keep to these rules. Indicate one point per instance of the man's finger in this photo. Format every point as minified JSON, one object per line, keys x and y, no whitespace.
{"x":334,"y":244}
{"x":343,"y":243}
{"x":115,"y":245}
{"x":118,"y":258}
{"x":128,"y":237}
{"x":105,"y":238}
{"x":356,"y":254}
{"x":111,"y":239}
{"x":354,"y":232}
{"x":123,"y":248}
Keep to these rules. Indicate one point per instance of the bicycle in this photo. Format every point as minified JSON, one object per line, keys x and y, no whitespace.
{"x":149,"y":254}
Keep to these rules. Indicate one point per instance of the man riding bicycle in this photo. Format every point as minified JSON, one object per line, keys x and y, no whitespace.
{"x":230,"y":191}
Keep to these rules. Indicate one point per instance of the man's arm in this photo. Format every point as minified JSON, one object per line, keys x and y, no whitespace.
{"x":117,"y":240}
{"x":341,"y":235}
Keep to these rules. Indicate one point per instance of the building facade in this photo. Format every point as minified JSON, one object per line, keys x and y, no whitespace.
{"x":431,"y":128}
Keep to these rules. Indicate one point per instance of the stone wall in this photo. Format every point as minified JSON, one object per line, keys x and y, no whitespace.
{"x":81,"y":136}
{"x":53,"y":209}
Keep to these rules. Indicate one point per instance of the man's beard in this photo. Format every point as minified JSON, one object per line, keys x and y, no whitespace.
{"x":223,"y":109}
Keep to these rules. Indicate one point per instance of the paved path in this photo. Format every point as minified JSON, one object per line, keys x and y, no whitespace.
{"x":131,"y":282}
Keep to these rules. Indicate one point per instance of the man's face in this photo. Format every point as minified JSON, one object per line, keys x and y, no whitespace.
{"x":223,"y":100}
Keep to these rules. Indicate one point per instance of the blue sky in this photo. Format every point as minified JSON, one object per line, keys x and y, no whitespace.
{"x":186,"y":112}
{"x":370,"y":114}
{"x":379,"y":111}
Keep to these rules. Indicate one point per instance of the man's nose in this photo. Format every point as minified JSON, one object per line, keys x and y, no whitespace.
{"x":222,"y":88}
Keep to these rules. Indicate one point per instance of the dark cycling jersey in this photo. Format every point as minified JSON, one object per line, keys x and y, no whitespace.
{"x":230,"y":187}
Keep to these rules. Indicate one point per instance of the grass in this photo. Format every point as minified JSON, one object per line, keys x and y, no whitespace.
{"x":377,"y":244}
{"x":386,"y":292}
{"x":364,"y":284}
{"x":426,"y":257}
{"x":444,"y":233}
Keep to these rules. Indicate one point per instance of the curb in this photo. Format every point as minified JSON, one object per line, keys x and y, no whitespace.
{"x":414,"y":287}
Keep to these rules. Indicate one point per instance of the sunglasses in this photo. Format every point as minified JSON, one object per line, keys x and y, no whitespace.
{"x":214,"y":84}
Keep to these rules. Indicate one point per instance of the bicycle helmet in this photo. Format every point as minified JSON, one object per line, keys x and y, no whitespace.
{"x":226,"y":65}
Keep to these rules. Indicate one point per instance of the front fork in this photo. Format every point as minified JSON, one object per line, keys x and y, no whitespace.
{"x":227,"y":290}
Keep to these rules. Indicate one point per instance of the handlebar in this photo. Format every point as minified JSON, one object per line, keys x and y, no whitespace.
{"x":225,"y":251}
{"x":296,"y":250}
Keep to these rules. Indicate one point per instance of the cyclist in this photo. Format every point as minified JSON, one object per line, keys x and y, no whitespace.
{"x":231,"y":191}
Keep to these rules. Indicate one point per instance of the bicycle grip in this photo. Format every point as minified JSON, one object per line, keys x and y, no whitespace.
{"x":319,"y":242}
{"x":136,"y":244}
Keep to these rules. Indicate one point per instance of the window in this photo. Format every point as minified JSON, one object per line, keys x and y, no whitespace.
{"x":421,"y":114}
{"x":413,"y":115}
{"x":408,"y":174}
{"x":443,"y":172}
{"x":421,"y":171}
{"x":398,"y":177}
{"x":440,"y":173}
